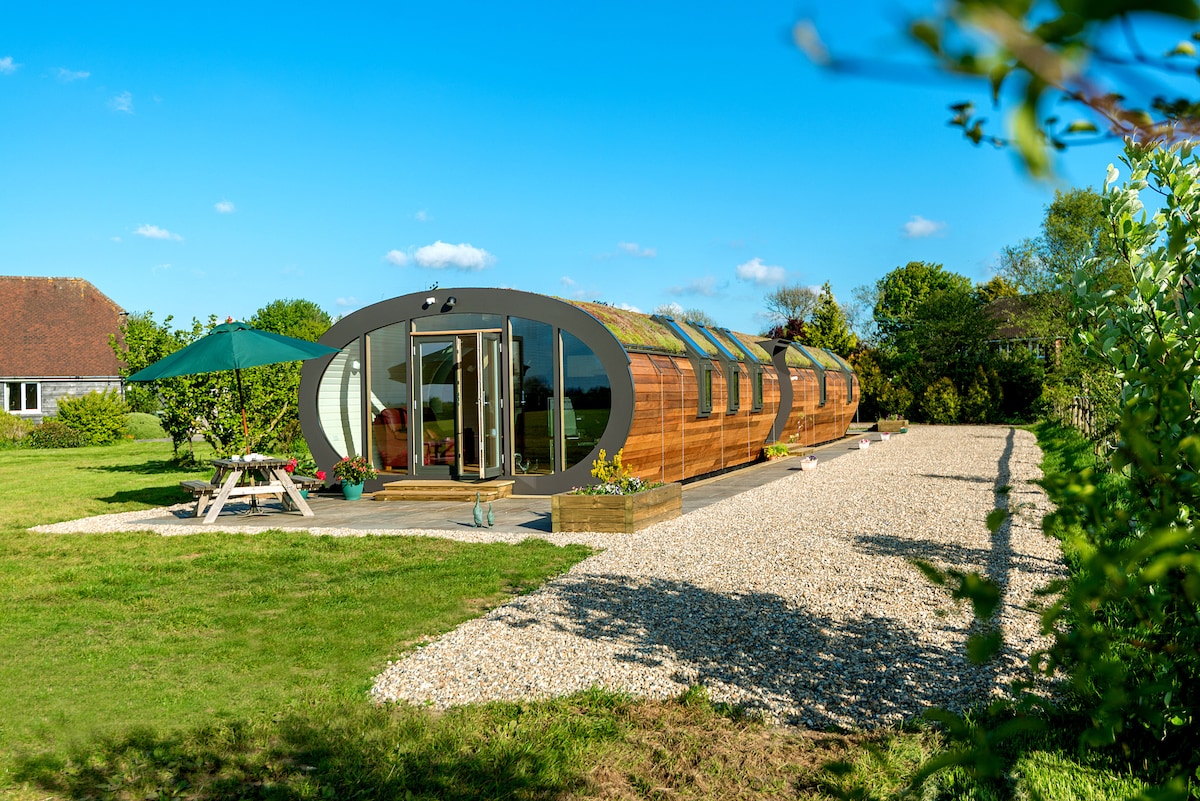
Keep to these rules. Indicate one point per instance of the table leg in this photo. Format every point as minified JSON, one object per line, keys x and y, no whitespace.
{"x":293,"y":493}
{"x":218,"y":503}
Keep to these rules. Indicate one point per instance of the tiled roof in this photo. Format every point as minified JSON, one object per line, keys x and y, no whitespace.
{"x":56,"y":327}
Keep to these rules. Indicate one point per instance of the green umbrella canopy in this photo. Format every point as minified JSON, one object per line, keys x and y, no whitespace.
{"x":231,"y":346}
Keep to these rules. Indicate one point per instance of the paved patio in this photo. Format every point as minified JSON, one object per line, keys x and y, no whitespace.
{"x":518,"y":514}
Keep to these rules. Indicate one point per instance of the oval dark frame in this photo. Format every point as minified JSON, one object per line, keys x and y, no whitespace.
{"x":507,"y":302}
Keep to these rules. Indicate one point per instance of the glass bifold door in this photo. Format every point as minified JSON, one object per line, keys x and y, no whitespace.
{"x":458,"y":397}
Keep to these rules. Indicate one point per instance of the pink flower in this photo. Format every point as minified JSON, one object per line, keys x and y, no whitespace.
{"x":290,"y":467}
{"x":320,"y":475}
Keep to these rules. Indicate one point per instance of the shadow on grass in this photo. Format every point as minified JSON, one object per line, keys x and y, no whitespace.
{"x":150,"y":467}
{"x":154,"y":496}
{"x":368,"y":753}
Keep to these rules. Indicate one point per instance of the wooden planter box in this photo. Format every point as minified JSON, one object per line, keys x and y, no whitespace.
{"x":615,"y":513}
{"x":891,"y":426}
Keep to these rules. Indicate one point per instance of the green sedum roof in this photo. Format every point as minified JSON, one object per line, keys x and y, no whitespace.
{"x":632,"y":329}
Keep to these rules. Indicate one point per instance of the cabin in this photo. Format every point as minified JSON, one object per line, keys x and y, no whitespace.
{"x":473,"y":384}
{"x":56,"y":343}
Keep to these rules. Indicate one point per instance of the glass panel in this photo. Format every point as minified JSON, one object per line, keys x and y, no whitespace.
{"x":533,"y":387}
{"x":387,"y":385}
{"x":31,"y":397}
{"x":435,"y":438}
{"x":469,"y":411}
{"x":339,"y":402}
{"x":735,"y":389}
{"x":587,"y":399}
{"x":458,"y":322}
{"x":758,"y":390}
{"x":490,"y":385}
{"x":14,"y":397}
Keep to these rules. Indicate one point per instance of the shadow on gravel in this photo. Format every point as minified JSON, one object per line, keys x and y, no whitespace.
{"x":864,"y":670}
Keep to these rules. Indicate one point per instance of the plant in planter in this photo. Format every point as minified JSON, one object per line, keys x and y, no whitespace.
{"x":302,"y":467}
{"x":808,"y":463}
{"x":353,"y":472}
{"x":620,"y":502}
{"x":776,"y":450}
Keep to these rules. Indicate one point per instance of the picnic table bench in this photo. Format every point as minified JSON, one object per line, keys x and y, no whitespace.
{"x":235,"y":479}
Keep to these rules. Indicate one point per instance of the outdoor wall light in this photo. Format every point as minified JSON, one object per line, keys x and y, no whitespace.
{"x":354,"y":365}
{"x":429,"y":301}
{"x":450,"y":301}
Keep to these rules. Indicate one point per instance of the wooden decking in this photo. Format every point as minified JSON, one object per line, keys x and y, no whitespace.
{"x":492,"y":490}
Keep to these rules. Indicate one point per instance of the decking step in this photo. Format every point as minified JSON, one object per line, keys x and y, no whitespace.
{"x":444,"y":490}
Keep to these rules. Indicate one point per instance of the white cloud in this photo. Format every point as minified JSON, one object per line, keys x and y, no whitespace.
{"x":919,"y":227}
{"x":706,"y":286}
{"x":422,"y":216}
{"x":759,"y":273}
{"x":115,"y":239}
{"x":8,"y":66}
{"x":343,"y":303}
{"x":154,"y":232}
{"x":633,"y":249}
{"x":160,"y":268}
{"x":66,"y":76}
{"x":441,"y":255}
{"x":397,"y":257}
{"x":567,"y":281}
{"x":122,"y":102}
{"x":629,"y":307}
{"x":224,"y":207}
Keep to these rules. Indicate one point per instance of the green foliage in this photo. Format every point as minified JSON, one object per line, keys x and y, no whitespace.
{"x":1125,"y":627}
{"x":883,"y":395}
{"x":51,"y":433}
{"x":614,"y":478}
{"x":13,"y":428}
{"x":775,"y":450}
{"x":354,"y":470}
{"x":98,"y":416}
{"x":139,"y":425}
{"x":900,"y":293}
{"x":828,"y":327}
{"x":791,"y":303}
{"x":301,"y":319}
{"x":940,"y":402}
{"x":1020,"y":377}
{"x":978,"y":405}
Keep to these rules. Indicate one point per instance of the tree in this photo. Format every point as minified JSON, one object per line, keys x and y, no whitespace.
{"x":828,"y":328}
{"x":301,"y":319}
{"x":791,"y":303}
{"x":902,"y":291}
{"x":1032,"y":56}
{"x":674,"y":310}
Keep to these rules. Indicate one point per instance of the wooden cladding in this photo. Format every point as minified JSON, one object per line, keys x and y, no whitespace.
{"x":669,"y":441}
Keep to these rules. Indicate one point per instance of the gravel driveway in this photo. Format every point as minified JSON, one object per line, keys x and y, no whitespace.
{"x":796,"y":599}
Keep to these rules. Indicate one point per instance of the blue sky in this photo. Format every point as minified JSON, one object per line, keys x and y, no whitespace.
{"x":209,"y":160}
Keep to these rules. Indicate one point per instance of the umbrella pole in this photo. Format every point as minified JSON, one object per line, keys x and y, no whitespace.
{"x":242,"y":403}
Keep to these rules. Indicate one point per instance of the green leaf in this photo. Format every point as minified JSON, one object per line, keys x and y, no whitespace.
{"x":982,"y":646}
{"x":995,"y":519}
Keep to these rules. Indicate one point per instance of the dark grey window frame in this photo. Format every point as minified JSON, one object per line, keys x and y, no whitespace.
{"x":818,"y":368}
{"x":755,"y":368}
{"x":846,"y":371}
{"x":701,"y":364}
{"x":733,"y":372}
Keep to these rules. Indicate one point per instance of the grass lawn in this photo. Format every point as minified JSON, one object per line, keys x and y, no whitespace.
{"x":224,"y":666}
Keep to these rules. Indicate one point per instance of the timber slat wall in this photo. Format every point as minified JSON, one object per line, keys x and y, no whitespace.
{"x":669,"y":441}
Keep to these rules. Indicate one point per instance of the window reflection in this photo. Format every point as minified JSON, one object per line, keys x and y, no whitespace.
{"x":533,"y":387}
{"x":587,"y":399}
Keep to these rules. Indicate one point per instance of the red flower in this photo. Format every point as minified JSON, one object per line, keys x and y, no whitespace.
{"x":290,"y":467}
{"x":320,"y":475}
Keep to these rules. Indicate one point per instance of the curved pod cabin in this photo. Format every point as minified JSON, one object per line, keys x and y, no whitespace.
{"x":470,"y":384}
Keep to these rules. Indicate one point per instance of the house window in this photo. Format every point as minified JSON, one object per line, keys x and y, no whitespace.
{"x":23,"y":397}
{"x":706,"y":389}
{"x":758,"y":390}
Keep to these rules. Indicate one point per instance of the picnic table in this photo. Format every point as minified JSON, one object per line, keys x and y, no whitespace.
{"x":240,"y":478}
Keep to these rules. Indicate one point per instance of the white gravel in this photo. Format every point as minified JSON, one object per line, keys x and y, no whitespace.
{"x":796,"y":599}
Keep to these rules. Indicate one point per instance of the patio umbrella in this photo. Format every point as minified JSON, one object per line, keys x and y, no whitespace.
{"x":232,"y":346}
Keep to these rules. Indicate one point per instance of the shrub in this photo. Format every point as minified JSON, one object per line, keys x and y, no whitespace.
{"x":978,"y":405}
{"x":13,"y":428}
{"x":615,"y":477}
{"x":98,"y":416}
{"x":140,"y":425}
{"x":1021,"y":379}
{"x":940,"y":403}
{"x":54,"y":434}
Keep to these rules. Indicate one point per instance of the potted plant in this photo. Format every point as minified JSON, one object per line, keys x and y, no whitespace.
{"x":353,"y":471}
{"x":303,"y":470}
{"x":618,"y":502}
{"x":808,"y":463}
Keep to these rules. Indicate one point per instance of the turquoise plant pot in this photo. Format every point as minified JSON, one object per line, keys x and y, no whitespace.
{"x":352,"y":492}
